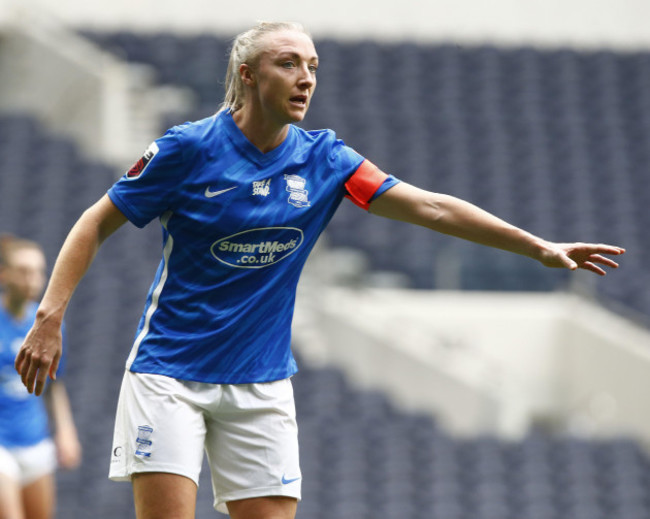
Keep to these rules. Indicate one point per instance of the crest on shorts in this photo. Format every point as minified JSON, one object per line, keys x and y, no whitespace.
{"x":143,"y":441}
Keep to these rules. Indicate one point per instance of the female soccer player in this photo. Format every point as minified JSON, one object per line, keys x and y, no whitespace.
{"x":242,"y":197}
{"x":28,"y":456}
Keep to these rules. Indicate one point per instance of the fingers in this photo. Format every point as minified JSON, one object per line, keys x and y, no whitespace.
{"x":607,"y":249}
{"x":34,"y":369}
{"x":36,"y":381}
{"x":20,"y":358}
{"x":569,"y":263}
{"x":55,"y":366}
{"x":41,"y":380}
{"x":28,"y":374}
{"x":603,"y":260}
{"x":588,"y":265}
{"x":596,"y":248}
{"x":39,"y":357}
{"x":589,"y":256}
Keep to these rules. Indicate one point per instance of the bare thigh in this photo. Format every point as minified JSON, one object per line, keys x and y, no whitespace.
{"x":272,"y":507}
{"x":38,"y":498}
{"x":159,"y":495}
{"x":10,"y":504}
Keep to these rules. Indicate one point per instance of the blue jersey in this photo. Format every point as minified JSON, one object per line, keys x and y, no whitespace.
{"x":238,"y":225}
{"x":23,"y":418}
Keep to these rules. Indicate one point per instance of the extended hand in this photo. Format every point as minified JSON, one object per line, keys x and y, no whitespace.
{"x":574,"y":256}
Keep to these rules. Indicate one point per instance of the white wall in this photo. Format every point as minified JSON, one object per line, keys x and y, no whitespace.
{"x":621,"y":23}
{"x":495,"y":362}
{"x":111,"y":108}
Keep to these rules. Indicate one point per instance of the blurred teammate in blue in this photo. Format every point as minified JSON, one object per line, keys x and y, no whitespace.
{"x":242,"y":197}
{"x":28,"y":453}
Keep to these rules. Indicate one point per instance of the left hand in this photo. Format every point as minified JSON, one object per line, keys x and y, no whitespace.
{"x":585,"y":256}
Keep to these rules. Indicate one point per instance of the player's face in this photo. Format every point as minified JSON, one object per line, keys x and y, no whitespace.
{"x":286,"y":76}
{"x":23,"y":276}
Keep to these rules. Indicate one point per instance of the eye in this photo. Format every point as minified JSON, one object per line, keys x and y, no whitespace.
{"x":313,"y":68}
{"x":288,"y":64}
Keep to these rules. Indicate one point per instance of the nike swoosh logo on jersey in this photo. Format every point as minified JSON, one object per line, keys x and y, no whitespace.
{"x":210,"y":194}
{"x":286,"y":481}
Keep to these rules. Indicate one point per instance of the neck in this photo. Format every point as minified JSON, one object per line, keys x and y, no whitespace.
{"x":262,"y":133}
{"x":15,"y":306}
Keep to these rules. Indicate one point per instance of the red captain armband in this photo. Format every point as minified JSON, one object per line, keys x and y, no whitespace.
{"x":364,"y":183}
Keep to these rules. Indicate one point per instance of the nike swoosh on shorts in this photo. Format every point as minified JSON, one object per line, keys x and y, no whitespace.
{"x":286,"y":481}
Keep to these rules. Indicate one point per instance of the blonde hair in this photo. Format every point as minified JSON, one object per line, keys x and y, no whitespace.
{"x":247,"y":48}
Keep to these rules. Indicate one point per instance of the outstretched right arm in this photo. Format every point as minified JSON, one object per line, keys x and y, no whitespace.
{"x":41,"y":351}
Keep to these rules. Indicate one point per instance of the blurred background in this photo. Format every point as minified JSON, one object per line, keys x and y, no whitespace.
{"x":439,"y":379}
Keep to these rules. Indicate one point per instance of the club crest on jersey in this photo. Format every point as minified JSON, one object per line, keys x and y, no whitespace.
{"x":262,"y":187}
{"x":138,"y":168}
{"x":297,"y":192}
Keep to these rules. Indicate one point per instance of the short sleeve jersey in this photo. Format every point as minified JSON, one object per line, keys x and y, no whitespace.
{"x":238,"y":225}
{"x":23,"y":418}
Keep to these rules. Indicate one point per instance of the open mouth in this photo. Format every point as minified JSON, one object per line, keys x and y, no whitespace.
{"x":299,"y":99}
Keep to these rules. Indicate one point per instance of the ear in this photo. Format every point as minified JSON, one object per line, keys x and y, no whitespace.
{"x":247,"y":74}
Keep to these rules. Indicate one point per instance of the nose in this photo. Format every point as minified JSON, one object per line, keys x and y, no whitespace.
{"x":307,"y":78}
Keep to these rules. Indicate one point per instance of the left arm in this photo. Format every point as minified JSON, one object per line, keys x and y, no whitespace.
{"x":68,"y":448}
{"x":456,"y":217}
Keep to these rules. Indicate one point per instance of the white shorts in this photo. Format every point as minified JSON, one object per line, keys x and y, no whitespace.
{"x":248,"y":431}
{"x":27,"y":464}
